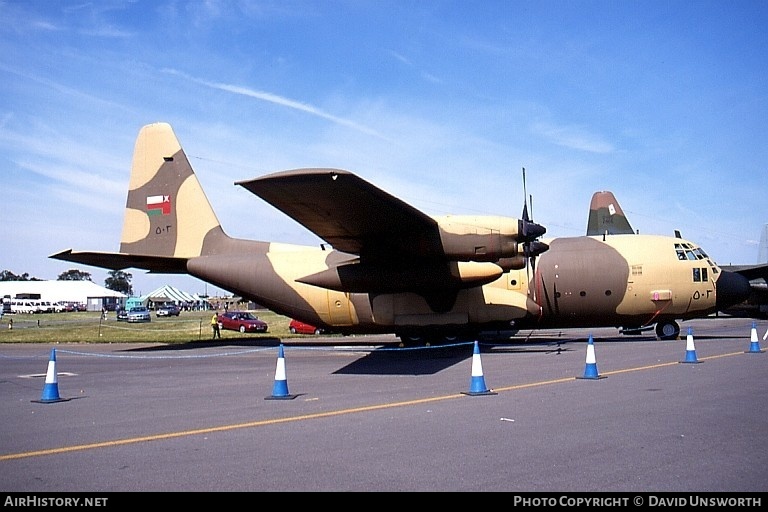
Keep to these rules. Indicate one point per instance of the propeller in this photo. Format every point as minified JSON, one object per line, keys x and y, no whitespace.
{"x":529,"y":231}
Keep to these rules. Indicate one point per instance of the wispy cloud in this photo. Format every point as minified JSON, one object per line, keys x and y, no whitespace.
{"x":429,"y":77}
{"x":108,"y":31}
{"x":278,"y":100}
{"x":45,"y":25}
{"x":573,"y":137}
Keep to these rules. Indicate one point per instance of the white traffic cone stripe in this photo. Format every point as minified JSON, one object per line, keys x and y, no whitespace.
{"x":50,"y":376}
{"x":280,"y":369}
{"x":689,"y":343}
{"x":591,"y":354}
{"x":477,"y":366}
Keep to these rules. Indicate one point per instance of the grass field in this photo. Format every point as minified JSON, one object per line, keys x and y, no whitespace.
{"x":89,"y":327}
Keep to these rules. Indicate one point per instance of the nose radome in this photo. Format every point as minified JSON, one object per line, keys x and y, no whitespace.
{"x":732,"y":288}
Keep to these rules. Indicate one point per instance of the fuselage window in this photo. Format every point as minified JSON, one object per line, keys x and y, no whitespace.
{"x":696,"y":275}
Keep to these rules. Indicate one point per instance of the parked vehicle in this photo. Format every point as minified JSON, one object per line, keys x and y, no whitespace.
{"x":242,"y":321}
{"x":139,"y":314}
{"x":122,"y":315}
{"x":45,"y":306}
{"x":168,"y":310}
{"x":23,"y":306}
{"x":297,"y":327}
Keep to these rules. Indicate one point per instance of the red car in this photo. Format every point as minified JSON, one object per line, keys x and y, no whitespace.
{"x":297,"y":327}
{"x":242,"y":321}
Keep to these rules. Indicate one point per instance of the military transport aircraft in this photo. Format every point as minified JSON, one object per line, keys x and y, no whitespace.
{"x":392,"y":269}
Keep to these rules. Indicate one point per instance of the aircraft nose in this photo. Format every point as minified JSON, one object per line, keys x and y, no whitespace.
{"x":732,"y":288}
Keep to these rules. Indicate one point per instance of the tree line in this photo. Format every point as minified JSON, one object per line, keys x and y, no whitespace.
{"x":117,"y":280}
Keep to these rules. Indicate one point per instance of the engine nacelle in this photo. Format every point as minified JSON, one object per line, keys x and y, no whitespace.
{"x":486,"y":238}
{"x":362,"y":278}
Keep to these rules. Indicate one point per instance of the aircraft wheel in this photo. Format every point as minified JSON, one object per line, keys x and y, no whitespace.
{"x":409,"y":340}
{"x":667,"y":330}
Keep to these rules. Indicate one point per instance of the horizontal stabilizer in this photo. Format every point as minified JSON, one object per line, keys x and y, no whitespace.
{"x":120,"y":261}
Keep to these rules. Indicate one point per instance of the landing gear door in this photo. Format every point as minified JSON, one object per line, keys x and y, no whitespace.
{"x":339,"y":310}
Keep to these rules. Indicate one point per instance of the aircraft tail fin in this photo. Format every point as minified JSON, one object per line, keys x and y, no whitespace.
{"x":606,"y":216}
{"x":167,"y":214}
{"x":168,"y":219}
{"x":762,"y":249}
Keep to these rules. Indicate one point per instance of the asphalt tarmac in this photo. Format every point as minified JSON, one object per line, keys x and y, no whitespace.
{"x":362,"y":414}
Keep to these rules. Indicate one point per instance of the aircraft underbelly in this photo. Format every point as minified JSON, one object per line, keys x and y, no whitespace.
{"x":481,"y":305}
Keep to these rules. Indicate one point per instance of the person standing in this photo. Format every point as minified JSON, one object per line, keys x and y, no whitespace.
{"x":215,"y":326}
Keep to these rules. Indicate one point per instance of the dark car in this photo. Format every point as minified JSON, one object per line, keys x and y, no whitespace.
{"x":168,"y":310}
{"x":242,"y":321}
{"x":122,"y":315}
{"x":297,"y":327}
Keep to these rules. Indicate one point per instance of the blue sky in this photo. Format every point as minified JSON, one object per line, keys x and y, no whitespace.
{"x":441,"y":103}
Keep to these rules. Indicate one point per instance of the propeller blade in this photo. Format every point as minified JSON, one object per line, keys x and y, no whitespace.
{"x":528,"y":230}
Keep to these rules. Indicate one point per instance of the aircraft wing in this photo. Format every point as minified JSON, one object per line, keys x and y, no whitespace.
{"x":120,"y":261}
{"x":751,"y":272}
{"x":350,"y":213}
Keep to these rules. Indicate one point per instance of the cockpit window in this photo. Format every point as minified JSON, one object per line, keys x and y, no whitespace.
{"x":687,"y":252}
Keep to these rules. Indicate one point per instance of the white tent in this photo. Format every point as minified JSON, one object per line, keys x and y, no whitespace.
{"x":83,"y":292}
{"x":168,"y":293}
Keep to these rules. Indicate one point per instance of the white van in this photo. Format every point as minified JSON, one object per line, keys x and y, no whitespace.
{"x":22,"y":306}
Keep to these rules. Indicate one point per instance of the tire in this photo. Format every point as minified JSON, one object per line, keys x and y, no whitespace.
{"x":242,"y":329}
{"x":317,"y":331}
{"x":411,"y":340}
{"x":667,"y":330}
{"x":293,"y":330}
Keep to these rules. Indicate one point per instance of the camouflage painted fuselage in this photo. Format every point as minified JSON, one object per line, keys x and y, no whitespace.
{"x":625,"y":280}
